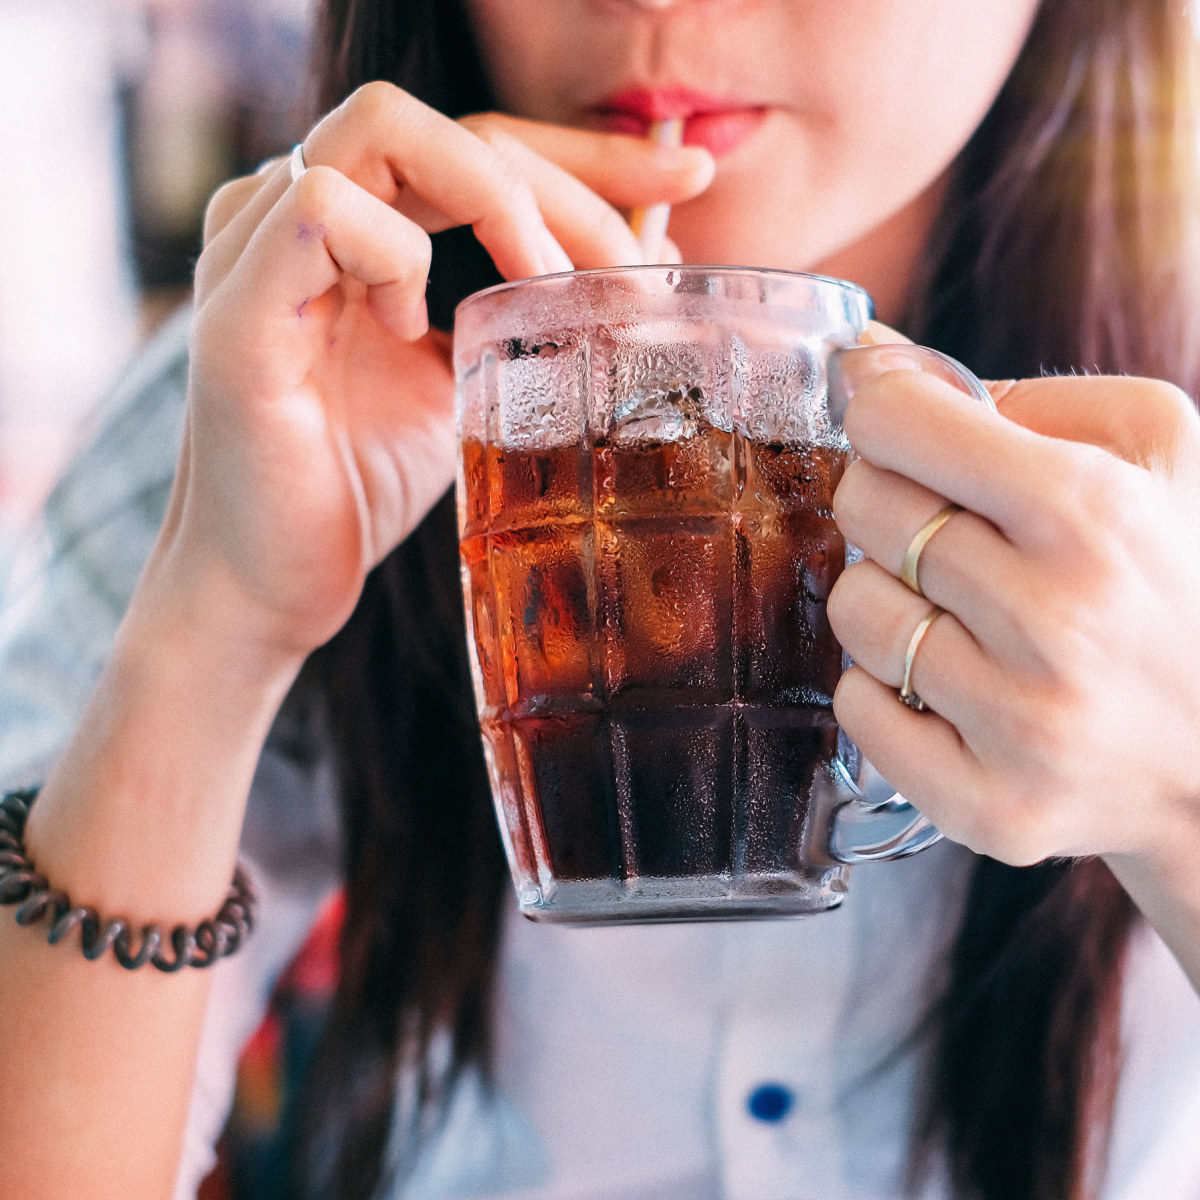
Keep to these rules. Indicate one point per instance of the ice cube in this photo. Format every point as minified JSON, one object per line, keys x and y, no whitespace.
{"x":659,"y":381}
{"x":545,"y":602}
{"x":666,"y":600}
{"x":540,"y":388}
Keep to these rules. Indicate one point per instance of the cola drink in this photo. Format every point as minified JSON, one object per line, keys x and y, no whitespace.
{"x":655,"y":667}
{"x":648,"y":457}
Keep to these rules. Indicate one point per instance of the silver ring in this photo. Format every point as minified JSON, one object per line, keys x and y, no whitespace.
{"x":296,"y":163}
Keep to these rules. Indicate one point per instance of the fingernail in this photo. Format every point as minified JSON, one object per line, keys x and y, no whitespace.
{"x":849,"y":369}
{"x":554,"y":257}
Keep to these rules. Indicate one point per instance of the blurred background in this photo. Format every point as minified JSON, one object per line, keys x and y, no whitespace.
{"x":123,"y":116}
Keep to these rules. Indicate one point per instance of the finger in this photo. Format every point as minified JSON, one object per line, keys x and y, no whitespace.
{"x":920,"y":754}
{"x":589,"y":229}
{"x":874,"y":617}
{"x":391,"y":144}
{"x":627,"y":171}
{"x":225,"y":240}
{"x":879,"y":334}
{"x":1144,"y":421}
{"x":916,"y":425}
{"x":325,"y":227}
{"x":966,"y":567}
{"x":229,"y":200}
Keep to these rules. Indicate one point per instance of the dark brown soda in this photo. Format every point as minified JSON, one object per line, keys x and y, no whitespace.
{"x":657,"y":668}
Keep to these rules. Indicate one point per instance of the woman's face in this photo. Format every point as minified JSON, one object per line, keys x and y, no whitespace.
{"x":833,"y":121}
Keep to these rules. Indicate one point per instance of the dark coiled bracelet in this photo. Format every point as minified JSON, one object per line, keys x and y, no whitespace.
{"x":21,"y":884}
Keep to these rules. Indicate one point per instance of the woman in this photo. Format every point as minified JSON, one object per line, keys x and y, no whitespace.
{"x":1011,"y":181}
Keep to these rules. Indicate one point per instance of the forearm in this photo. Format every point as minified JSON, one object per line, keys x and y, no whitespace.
{"x":140,"y":818}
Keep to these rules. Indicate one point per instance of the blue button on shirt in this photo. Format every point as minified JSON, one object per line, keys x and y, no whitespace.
{"x":771,"y":1102}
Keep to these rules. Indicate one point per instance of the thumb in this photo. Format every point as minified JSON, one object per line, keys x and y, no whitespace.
{"x":1144,"y":421}
{"x":879,"y":334}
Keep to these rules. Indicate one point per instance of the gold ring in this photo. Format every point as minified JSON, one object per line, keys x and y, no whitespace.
{"x":912,"y":556}
{"x":906,"y":692}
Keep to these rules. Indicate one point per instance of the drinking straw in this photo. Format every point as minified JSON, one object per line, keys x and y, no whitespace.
{"x":649,"y":225}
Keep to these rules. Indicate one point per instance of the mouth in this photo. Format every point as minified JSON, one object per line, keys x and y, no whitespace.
{"x":718,"y":123}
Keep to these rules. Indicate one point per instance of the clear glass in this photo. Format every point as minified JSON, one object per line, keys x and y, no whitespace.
{"x":647,"y":464}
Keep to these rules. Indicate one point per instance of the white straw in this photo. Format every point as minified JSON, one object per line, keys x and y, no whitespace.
{"x":649,"y":225}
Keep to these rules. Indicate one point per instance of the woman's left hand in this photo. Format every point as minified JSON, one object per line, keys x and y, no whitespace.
{"x":1063,"y":681}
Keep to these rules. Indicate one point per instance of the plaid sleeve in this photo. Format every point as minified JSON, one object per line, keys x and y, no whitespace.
{"x":66,"y":596}
{"x":68,"y":589}
{"x":59,"y":611}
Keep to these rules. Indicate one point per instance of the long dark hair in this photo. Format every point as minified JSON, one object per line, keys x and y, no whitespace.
{"x":1067,"y":242}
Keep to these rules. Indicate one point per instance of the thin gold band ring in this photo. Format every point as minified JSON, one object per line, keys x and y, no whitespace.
{"x":912,"y":556}
{"x":906,"y":693}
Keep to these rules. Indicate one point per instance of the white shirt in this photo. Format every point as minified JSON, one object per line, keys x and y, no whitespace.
{"x":627,"y":1058}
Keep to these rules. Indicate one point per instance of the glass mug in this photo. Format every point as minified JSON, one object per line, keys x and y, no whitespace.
{"x":647,"y":464}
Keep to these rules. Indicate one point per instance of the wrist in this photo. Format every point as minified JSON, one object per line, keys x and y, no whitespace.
{"x":201,"y":613}
{"x":142,"y":815}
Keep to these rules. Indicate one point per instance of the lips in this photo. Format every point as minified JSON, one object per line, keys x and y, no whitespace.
{"x":718,"y":123}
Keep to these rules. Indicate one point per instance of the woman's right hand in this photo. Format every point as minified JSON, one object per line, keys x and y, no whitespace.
{"x":320,"y":425}
{"x":320,"y":429}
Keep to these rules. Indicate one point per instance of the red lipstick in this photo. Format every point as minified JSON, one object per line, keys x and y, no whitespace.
{"x":718,"y":123}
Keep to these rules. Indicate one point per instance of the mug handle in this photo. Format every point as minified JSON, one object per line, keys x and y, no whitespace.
{"x":869,"y":821}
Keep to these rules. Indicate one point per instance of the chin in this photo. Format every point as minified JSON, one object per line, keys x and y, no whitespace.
{"x":742,"y":234}
{"x":762,"y":211}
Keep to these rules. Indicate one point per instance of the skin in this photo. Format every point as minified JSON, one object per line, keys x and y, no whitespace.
{"x":861,"y":129}
{"x":1065,"y":681}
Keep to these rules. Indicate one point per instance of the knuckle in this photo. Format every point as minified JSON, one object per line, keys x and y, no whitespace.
{"x":316,"y":192}
{"x":847,"y":702}
{"x":226,"y":202}
{"x":486,"y":125}
{"x":221,"y":202}
{"x":1046,"y":735}
{"x":208,"y":334}
{"x":420,"y":251}
{"x":1101,"y":492}
{"x":1173,"y":418}
{"x":839,"y":605}
{"x":1044,"y":725}
{"x":1016,"y":724}
{"x":847,"y":496}
{"x":375,"y":102}
{"x":1168,"y":402}
{"x":970,"y":825}
{"x":1088,"y":496}
{"x":1070,"y":469}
